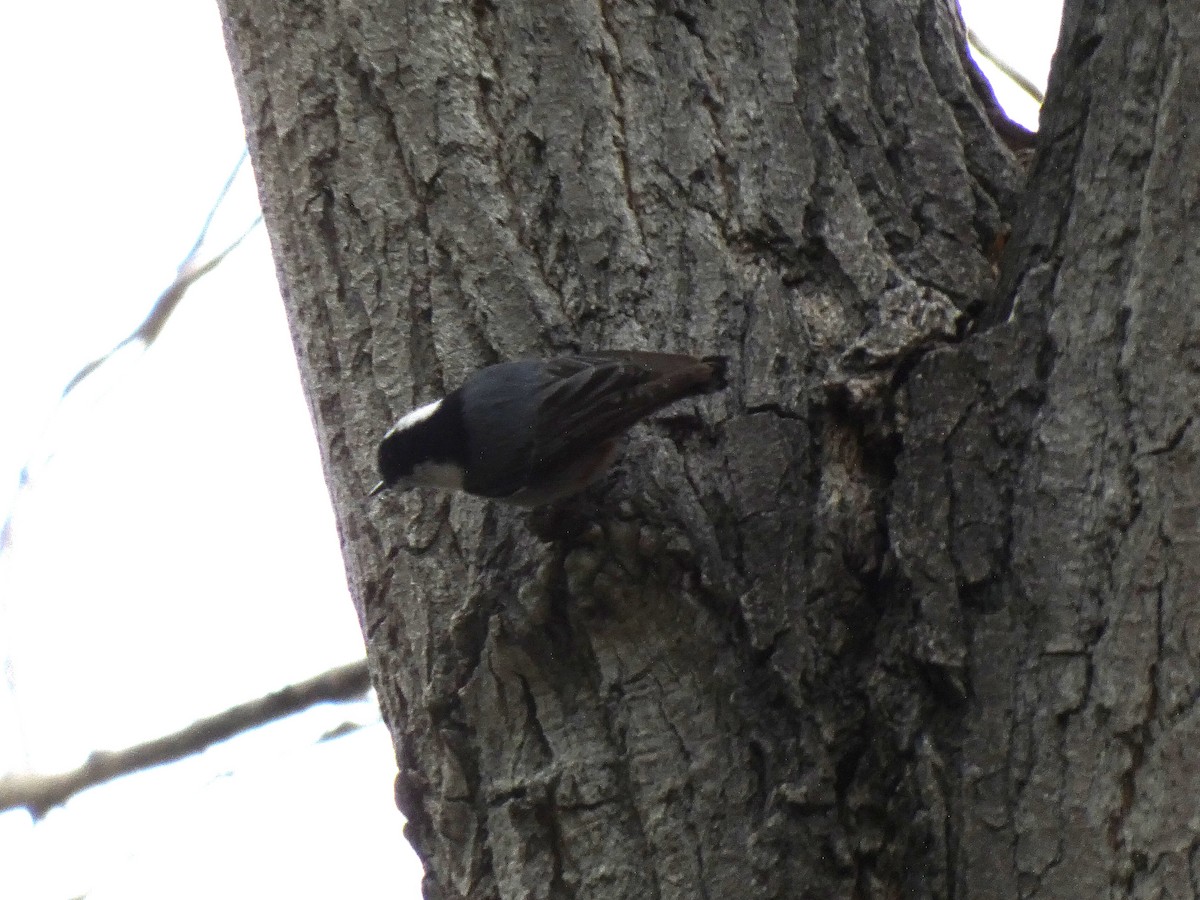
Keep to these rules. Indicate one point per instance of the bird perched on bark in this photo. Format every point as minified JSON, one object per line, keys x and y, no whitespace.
{"x":534,"y":431}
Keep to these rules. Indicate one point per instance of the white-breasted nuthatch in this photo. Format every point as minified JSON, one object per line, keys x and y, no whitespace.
{"x":534,"y":431}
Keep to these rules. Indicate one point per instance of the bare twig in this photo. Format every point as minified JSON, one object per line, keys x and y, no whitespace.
{"x":146,"y":333}
{"x":41,"y":793}
{"x":1020,"y":80}
{"x":1017,"y":137}
{"x":212,"y":213}
{"x":186,"y":275}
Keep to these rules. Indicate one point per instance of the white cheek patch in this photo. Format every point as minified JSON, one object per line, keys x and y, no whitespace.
{"x":438,"y":474}
{"x":420,"y":414}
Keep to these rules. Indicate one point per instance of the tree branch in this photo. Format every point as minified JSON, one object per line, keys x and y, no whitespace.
{"x":1018,"y":79}
{"x":188,"y":273}
{"x":41,"y":793}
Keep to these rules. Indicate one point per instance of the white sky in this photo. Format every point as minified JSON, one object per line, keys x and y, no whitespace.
{"x":177,"y":554}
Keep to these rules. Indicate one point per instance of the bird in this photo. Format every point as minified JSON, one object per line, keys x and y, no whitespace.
{"x":534,"y":431}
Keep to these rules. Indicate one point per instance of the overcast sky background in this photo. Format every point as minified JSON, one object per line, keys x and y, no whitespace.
{"x":175,"y":553}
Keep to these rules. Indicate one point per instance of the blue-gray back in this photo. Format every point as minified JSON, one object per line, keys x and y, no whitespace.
{"x":501,"y":402}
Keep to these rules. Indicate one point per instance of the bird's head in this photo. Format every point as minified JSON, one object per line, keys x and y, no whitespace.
{"x":417,"y":452}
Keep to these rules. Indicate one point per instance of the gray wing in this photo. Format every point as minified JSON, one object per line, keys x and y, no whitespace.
{"x":584,"y":401}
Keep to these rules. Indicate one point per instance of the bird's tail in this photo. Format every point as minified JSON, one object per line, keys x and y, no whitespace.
{"x":717,"y":380}
{"x":674,"y":375}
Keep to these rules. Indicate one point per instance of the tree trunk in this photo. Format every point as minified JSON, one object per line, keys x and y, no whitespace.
{"x":908,"y":610}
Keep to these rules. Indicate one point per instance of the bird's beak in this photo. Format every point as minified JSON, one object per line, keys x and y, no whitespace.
{"x":378,"y":489}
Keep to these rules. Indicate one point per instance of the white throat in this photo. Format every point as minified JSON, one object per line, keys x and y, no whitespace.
{"x":438,"y":474}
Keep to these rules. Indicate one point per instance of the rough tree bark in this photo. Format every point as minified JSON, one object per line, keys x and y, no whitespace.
{"x":909,"y":610}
